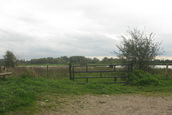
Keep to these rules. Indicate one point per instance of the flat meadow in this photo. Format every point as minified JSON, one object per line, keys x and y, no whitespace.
{"x":32,"y":90}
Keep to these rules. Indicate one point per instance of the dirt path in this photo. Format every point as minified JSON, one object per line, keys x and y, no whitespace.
{"x":113,"y":105}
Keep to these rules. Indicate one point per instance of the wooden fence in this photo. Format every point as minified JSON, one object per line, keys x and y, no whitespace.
{"x":3,"y":72}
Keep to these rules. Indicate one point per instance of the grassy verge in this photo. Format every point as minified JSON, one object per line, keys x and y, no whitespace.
{"x":23,"y":93}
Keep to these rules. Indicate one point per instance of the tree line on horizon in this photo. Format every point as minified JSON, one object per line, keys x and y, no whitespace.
{"x":66,"y":60}
{"x":82,"y":60}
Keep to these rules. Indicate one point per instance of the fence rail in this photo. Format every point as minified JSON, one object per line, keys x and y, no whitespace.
{"x":76,"y":69}
{"x":6,"y":73}
{"x":3,"y":72}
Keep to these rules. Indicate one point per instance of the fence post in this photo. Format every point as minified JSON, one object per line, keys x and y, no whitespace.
{"x":166,"y":69}
{"x":131,"y":67}
{"x":73,"y":70}
{"x":47,"y":71}
{"x":100,"y":74}
{"x":86,"y":68}
{"x":70,"y":71}
{"x":4,"y":69}
{"x":114,"y":67}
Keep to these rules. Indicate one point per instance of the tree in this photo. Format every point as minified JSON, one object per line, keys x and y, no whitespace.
{"x":78,"y":59}
{"x":95,"y":60}
{"x":64,"y":59}
{"x":10,"y":59}
{"x":138,"y":48}
{"x":105,"y":60}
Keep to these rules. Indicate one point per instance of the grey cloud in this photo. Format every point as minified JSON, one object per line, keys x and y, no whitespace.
{"x":86,"y":45}
{"x":76,"y":44}
{"x":69,"y":45}
{"x":94,"y":44}
{"x":92,"y":26}
{"x":11,"y":36}
{"x":16,"y":42}
{"x":166,"y":43}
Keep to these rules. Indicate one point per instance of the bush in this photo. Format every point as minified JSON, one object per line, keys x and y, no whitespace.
{"x":141,"y":78}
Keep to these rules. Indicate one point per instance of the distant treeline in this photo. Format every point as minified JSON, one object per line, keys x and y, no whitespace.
{"x":66,"y":60}
{"x":78,"y":60}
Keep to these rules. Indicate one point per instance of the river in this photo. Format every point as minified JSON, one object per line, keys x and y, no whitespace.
{"x":156,"y":66}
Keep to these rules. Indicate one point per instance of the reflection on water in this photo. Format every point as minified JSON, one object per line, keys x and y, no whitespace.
{"x":163,"y":66}
{"x":157,"y":66}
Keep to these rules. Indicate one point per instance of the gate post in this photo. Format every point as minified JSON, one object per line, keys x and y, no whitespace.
{"x":70,"y":76}
{"x":131,"y":67}
{"x":166,"y":70}
{"x":47,"y":72}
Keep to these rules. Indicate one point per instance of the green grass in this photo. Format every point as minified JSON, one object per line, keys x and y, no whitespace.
{"x":22,"y":93}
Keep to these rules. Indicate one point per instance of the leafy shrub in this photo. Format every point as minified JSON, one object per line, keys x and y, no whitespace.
{"x":25,"y":75}
{"x":28,"y":73}
{"x":141,"y":78}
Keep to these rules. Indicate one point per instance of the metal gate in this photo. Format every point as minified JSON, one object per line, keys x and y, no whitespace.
{"x":77,"y":69}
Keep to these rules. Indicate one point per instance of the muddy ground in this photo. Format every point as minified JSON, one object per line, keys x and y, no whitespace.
{"x":112,"y":105}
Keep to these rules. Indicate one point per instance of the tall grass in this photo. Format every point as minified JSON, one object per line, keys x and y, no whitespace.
{"x":28,"y":85}
{"x":22,"y":91}
{"x":17,"y":92}
{"x":53,"y":72}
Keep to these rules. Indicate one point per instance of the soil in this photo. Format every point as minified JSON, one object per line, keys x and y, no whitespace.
{"x":112,"y":105}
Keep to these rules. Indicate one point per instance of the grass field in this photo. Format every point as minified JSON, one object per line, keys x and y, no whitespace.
{"x":22,"y":92}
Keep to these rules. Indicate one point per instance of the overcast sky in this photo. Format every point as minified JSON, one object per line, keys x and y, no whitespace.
{"x":54,"y":28}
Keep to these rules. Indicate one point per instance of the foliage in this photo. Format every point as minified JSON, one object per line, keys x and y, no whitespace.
{"x":60,"y":60}
{"x":141,"y":78}
{"x":64,"y":60}
{"x":138,"y":48}
{"x":78,"y":59}
{"x":10,"y":59}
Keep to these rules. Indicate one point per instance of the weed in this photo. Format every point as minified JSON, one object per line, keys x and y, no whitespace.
{"x":141,"y":78}
{"x":24,"y":92}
